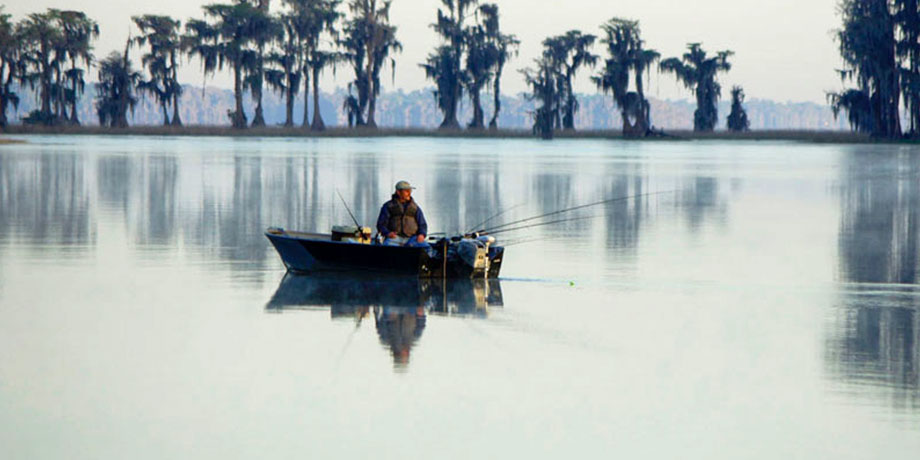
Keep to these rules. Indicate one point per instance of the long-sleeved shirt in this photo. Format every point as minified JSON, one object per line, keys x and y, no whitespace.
{"x":384,"y":219}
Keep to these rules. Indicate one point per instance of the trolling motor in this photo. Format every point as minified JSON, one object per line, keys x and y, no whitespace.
{"x":354,"y":234}
{"x":351,"y":234}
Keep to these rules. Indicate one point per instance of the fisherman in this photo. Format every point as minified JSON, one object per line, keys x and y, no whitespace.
{"x":401,"y":219}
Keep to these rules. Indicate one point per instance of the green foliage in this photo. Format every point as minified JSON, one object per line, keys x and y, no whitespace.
{"x":568,"y":53}
{"x":39,"y":39}
{"x":875,"y":60}
{"x":448,"y":80}
{"x":161,"y":36}
{"x":227,"y":40}
{"x":907,"y":18}
{"x":10,"y":48}
{"x":284,"y":76}
{"x":481,"y":58}
{"x":115,"y":90}
{"x":626,"y":55}
{"x":698,"y":71}
{"x":368,"y":40}
{"x":284,"y":72}
{"x":738,"y":119}
{"x":544,"y":85}
{"x":444,"y":65}
{"x":76,"y":46}
{"x":263,"y":31}
{"x":470,"y":57}
{"x":856,"y":103}
{"x":307,"y":22}
{"x":504,"y":46}
{"x":48,"y":42}
{"x":352,"y":108}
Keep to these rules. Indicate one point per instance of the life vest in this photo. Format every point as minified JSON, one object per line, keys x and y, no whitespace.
{"x":402,"y":221}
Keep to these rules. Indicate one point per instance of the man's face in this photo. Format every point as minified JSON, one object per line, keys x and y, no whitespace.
{"x":404,"y":195}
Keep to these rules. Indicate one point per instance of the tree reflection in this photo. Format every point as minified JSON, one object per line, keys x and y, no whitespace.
{"x":46,"y":198}
{"x":875,"y":340}
{"x":623,"y":218}
{"x":292,"y":194}
{"x":447,"y":194}
{"x":242,"y":227}
{"x":700,"y":200}
{"x":365,"y":202}
{"x":159,"y":200}
{"x":879,"y":231}
{"x":467,"y":193}
{"x":553,"y":191}
{"x":556,"y":192}
{"x":481,"y":194}
{"x":113,"y":182}
{"x":879,"y":346}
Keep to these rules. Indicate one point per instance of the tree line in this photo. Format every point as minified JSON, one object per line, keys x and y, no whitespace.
{"x":879,"y":42}
{"x":288,"y":51}
{"x":622,"y":73}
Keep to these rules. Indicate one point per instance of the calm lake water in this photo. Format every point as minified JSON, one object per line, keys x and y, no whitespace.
{"x":750,"y":300}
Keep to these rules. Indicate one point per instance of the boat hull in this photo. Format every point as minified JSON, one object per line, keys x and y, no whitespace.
{"x":306,"y":252}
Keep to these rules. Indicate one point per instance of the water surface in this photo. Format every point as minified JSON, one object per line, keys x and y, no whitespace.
{"x":749,"y":300}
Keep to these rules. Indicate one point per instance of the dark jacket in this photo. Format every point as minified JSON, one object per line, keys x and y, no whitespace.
{"x":405,"y":220}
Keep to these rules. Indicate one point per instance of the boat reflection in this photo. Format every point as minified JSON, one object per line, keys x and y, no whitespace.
{"x":346,"y":294}
{"x":399,"y":305}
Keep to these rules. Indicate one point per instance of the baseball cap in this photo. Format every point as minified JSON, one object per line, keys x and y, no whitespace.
{"x":404,"y":185}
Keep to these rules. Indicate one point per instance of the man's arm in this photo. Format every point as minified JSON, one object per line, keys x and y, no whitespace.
{"x":382,"y":221}
{"x":422,"y":223}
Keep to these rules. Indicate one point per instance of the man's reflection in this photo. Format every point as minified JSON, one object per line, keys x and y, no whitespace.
{"x":400,"y":305}
{"x":399,"y":328}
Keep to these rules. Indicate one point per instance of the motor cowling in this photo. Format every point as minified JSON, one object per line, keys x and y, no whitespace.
{"x":351,"y":234}
{"x":474,"y":253}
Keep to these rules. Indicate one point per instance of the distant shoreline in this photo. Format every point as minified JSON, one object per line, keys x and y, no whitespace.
{"x":4,"y":140}
{"x":841,"y":137}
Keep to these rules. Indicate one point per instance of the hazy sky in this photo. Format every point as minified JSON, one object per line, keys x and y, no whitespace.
{"x":784,"y":48}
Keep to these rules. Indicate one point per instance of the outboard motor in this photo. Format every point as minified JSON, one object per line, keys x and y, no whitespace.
{"x":475,"y":254}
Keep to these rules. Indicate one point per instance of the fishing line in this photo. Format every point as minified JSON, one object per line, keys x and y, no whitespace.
{"x":494,"y":216}
{"x":540,"y":224}
{"x":611,"y":200}
{"x":530,"y":240}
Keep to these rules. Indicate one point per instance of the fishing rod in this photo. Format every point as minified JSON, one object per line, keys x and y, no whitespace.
{"x":349,"y":210}
{"x":494,"y":216}
{"x":361,"y":315}
{"x":575,"y":208}
{"x":539,"y":224}
{"x":529,"y":240}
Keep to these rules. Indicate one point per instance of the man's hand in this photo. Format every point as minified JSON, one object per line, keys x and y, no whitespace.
{"x":391,"y":235}
{"x":420,"y":238}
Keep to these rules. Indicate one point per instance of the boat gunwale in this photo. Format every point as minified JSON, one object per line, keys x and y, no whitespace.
{"x":424,"y":257}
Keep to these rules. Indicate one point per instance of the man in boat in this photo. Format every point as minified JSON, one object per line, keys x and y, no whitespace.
{"x":401,"y":219}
